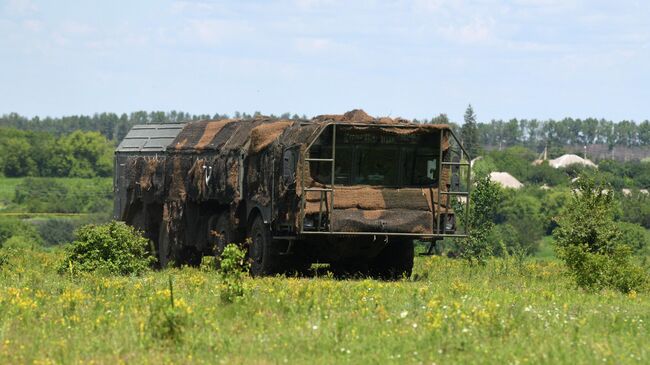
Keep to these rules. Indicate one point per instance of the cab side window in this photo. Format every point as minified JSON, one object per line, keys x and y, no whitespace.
{"x":289,"y":166}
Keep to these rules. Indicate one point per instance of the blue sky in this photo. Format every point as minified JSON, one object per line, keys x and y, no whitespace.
{"x":518,"y":58}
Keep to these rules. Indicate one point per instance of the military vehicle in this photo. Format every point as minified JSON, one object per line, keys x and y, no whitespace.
{"x":349,"y":190}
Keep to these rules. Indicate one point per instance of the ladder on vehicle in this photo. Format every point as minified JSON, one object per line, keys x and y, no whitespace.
{"x":456,"y":158}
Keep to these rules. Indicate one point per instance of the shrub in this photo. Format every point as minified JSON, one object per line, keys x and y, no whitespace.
{"x":484,"y":198}
{"x":168,"y":316}
{"x":233,"y":269}
{"x":634,"y":236}
{"x":483,"y":167}
{"x":114,"y":248}
{"x":504,"y":240}
{"x":589,"y":242}
{"x":545,"y":174}
{"x":521,"y":209}
{"x":636,"y":209}
{"x":17,"y":228}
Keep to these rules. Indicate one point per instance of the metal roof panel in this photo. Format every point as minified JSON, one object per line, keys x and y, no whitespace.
{"x":150,"y":137}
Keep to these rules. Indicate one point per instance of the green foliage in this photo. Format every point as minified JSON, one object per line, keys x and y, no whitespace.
{"x":484,"y":197}
{"x":89,"y":154}
{"x":168,"y":317}
{"x":20,"y":230}
{"x":17,"y":160}
{"x":233,"y":268}
{"x":501,"y":312}
{"x":56,"y":231}
{"x":552,"y":204}
{"x":521,"y":210}
{"x":469,"y":133}
{"x":47,"y":195}
{"x":634,"y":236}
{"x":483,"y":166}
{"x":635,"y":208}
{"x":111,"y":248}
{"x":514,"y":160}
{"x":79,"y":154}
{"x":589,"y":242}
{"x":545,"y":174}
{"x":504,"y":240}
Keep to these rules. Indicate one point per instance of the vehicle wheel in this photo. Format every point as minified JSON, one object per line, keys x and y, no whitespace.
{"x":188,"y":256}
{"x":164,"y":247}
{"x":261,"y":251}
{"x":168,"y":254}
{"x":220,"y":234}
{"x":138,"y":220}
{"x":394,"y":262}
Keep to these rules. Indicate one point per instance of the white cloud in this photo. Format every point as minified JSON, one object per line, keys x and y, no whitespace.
{"x":313,"y":4}
{"x":480,"y":31}
{"x":20,"y":7}
{"x":33,"y":25}
{"x":77,"y":29}
{"x":185,"y":6}
{"x":429,"y":5}
{"x":314,"y":45}
{"x":212,"y":32}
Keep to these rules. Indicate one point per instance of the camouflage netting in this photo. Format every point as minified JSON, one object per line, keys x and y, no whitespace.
{"x":227,"y":161}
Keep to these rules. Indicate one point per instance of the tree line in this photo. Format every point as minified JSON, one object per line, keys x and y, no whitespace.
{"x":527,"y":132}
{"x":77,"y":154}
{"x":113,"y":126}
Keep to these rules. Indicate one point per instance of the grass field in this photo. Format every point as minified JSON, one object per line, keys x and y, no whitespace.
{"x":449,"y":312}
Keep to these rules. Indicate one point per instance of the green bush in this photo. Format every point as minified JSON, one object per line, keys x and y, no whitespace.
{"x":545,"y":174}
{"x":233,"y":268}
{"x":634,"y":236}
{"x":552,"y":204}
{"x":504,"y":240}
{"x":636,"y":209}
{"x":111,"y":248}
{"x":521,"y":209}
{"x":484,"y":197}
{"x":17,"y":228}
{"x":589,"y":241}
{"x":168,"y":316}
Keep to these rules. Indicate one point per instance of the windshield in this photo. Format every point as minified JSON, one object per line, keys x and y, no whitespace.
{"x":375,"y":159}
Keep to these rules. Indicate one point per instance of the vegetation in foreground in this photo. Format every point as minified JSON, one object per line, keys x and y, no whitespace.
{"x":506,"y":311}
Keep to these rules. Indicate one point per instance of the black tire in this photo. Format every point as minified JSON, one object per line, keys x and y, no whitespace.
{"x":394,"y":262}
{"x":261,"y":253}
{"x":188,"y":255}
{"x":220,"y":234}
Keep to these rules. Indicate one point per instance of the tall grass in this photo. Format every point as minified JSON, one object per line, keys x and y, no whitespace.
{"x":504,"y":312}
